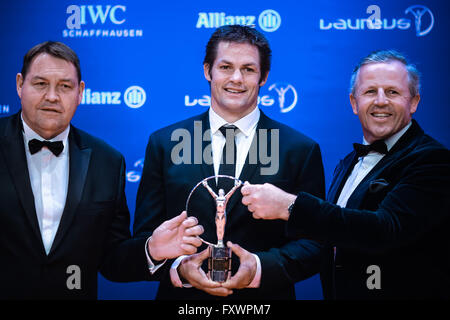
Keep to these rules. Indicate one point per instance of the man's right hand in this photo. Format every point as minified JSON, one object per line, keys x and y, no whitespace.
{"x":190,"y":270}
{"x":175,"y":237}
{"x":266,"y":201}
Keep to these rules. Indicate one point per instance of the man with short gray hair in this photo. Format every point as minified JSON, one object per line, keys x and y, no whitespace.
{"x":388,"y":211}
{"x":385,"y":56}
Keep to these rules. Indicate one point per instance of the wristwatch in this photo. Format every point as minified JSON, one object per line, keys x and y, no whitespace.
{"x":291,"y":206}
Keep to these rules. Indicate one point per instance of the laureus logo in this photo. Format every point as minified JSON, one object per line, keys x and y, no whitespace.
{"x":423,"y":21}
{"x":287,"y":96}
{"x":418,"y":12}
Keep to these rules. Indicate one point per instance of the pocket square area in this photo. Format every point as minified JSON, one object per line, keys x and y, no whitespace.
{"x":377,"y":185}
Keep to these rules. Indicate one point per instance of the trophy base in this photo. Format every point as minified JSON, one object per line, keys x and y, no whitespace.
{"x":219,"y":263}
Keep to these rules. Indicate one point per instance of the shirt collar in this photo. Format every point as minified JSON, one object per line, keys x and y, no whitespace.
{"x":245,"y":124}
{"x":392,"y":140}
{"x":30,"y":134}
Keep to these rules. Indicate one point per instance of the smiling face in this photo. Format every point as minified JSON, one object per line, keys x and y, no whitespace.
{"x":235,"y":80}
{"x":50,"y":94}
{"x":382,"y":99}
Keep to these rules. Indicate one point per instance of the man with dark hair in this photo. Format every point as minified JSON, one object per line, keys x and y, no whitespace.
{"x":240,"y":35}
{"x":388,"y":210}
{"x":63,"y":212}
{"x":55,"y":49}
{"x":235,"y":134}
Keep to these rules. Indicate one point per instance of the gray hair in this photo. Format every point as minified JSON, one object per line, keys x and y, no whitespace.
{"x":385,"y":56}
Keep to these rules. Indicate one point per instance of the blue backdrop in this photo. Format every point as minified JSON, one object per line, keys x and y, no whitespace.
{"x":142,"y":64}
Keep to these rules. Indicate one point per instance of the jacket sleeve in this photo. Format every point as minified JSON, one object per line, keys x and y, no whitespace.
{"x":417,"y":202}
{"x":124,"y":257}
{"x":150,"y":200}
{"x":297,"y":259}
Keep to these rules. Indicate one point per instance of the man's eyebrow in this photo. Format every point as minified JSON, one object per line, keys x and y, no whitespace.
{"x":224,"y":61}
{"x":61,"y":80}
{"x":67,"y":80}
{"x":245,"y":64}
{"x":38,"y":78}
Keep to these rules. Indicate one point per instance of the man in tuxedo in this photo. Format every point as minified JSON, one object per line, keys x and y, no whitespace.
{"x":266,"y":263}
{"x":63,"y":212}
{"x":387,"y":216}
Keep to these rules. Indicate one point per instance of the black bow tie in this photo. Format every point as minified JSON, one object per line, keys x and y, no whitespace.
{"x":363,"y":149}
{"x":36,"y":145}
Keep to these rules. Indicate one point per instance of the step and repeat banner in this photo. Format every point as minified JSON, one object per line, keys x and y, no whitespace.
{"x":142,"y":65}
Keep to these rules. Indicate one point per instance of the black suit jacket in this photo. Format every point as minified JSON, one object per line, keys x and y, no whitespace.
{"x":93,"y":233}
{"x":398,"y":219}
{"x":165,"y":187}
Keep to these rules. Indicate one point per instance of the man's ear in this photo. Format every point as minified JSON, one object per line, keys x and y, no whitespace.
{"x":264,"y":80}
{"x":206,"y":72}
{"x":414,"y":103}
{"x":80,"y":92}
{"x":19,"y":84}
{"x":354,"y":104}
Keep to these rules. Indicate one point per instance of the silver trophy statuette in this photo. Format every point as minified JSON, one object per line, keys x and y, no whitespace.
{"x":219,"y":261}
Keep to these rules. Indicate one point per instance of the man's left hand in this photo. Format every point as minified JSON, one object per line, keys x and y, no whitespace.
{"x":247,"y":268}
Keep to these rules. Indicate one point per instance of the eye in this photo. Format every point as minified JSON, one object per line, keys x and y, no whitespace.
{"x":392,"y":92}
{"x":40,"y":84}
{"x":224,"y":67}
{"x":248,"y":69}
{"x":370,"y":91}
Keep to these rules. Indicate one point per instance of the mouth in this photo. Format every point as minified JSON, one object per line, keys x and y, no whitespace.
{"x":50,"y":109}
{"x":381,"y":115}
{"x":234,"y":91}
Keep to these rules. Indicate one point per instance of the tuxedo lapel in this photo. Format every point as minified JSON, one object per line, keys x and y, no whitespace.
{"x":404,"y":145}
{"x":207,"y":168}
{"x":79,"y":158}
{"x":340,"y":177}
{"x":13,"y":149}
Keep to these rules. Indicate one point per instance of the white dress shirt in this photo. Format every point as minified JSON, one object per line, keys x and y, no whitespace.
{"x":49,"y":177}
{"x":364,"y":166}
{"x":244,"y":137}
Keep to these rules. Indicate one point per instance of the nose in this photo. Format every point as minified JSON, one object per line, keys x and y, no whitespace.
{"x":236,"y":76}
{"x":51,"y":95}
{"x":381,"y":98}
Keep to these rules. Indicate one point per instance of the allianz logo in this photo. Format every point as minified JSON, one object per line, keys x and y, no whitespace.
{"x":268,"y":20}
{"x":4,"y":108}
{"x":133,"y":97}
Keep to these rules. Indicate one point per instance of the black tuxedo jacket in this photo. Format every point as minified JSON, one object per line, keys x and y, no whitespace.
{"x":398,"y":218}
{"x":165,"y":186}
{"x":93,"y":233}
